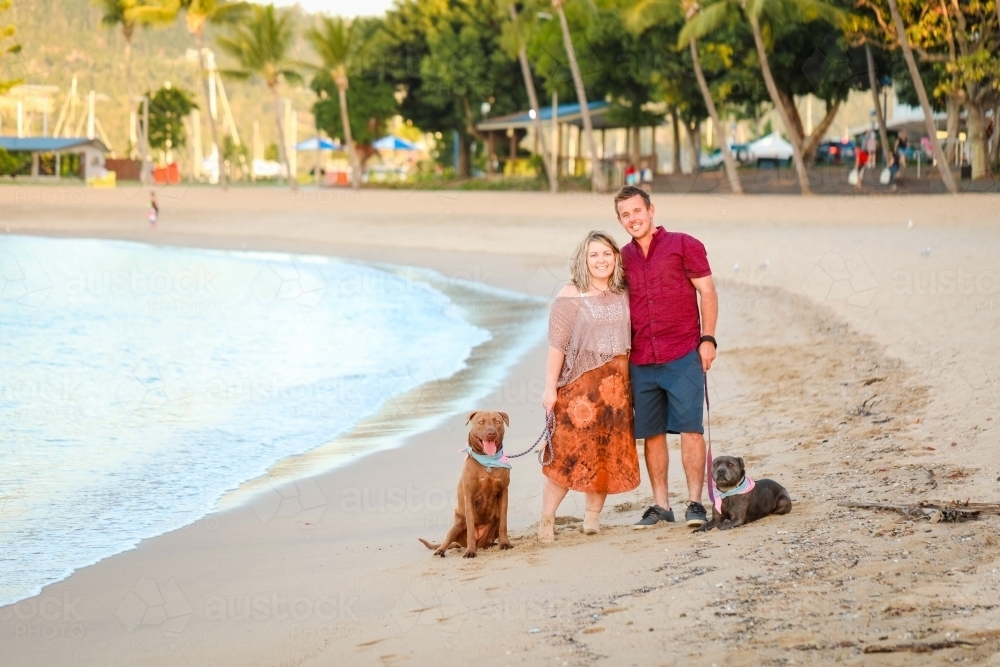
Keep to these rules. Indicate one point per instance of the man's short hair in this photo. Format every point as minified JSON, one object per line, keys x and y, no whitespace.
{"x":628,"y":192}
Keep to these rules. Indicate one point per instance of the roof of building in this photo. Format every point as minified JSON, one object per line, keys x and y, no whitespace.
{"x":567,"y":114}
{"x":50,"y":144}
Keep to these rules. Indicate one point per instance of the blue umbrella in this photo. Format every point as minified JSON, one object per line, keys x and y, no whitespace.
{"x":393,"y":143}
{"x":317,"y":144}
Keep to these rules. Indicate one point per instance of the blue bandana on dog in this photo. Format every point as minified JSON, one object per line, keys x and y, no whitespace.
{"x":746,"y":486}
{"x":498,"y":460}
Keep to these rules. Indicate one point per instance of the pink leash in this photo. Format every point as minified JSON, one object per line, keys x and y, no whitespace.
{"x":708,"y":451}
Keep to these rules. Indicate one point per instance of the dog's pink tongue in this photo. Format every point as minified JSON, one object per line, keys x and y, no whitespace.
{"x":490,"y":447}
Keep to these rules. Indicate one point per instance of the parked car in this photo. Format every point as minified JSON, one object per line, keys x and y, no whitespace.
{"x":711,"y":161}
{"x":835,"y":153}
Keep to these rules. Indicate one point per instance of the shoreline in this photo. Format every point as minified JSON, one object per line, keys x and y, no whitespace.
{"x":513,"y":323}
{"x":813,"y":324}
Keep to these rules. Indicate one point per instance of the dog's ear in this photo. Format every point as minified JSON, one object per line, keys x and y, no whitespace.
{"x":742,"y":467}
{"x":506,"y":419}
{"x":471,"y":415}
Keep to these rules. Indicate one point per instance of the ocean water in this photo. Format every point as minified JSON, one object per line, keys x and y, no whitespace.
{"x":138,"y":383}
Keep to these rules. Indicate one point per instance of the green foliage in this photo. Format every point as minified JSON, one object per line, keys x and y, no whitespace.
{"x":167,"y":109}
{"x":261,"y":45}
{"x":449,"y":58}
{"x":11,"y":163}
{"x":370,"y":99}
{"x":271,"y":153}
{"x":197,"y":13}
{"x":8,"y":48}
{"x":231,"y":152}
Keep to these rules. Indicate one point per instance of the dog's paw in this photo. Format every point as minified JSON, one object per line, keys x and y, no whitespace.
{"x":439,"y":553}
{"x":469,"y":554}
{"x":725,"y":526}
{"x":506,"y":545}
{"x":704,"y":528}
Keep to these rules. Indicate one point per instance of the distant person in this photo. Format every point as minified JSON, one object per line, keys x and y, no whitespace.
{"x":631,"y":175}
{"x":587,"y":387}
{"x":861,"y":159}
{"x":871,"y":147}
{"x":673,"y":346}
{"x":898,"y":160}
{"x":154,"y":208}
{"x":646,"y":177}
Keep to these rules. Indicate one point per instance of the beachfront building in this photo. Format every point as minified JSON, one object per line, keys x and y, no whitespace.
{"x":79,"y":157}
{"x":618,"y":145}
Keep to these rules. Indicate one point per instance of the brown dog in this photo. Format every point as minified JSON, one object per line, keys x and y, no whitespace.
{"x":481,"y":511}
{"x":766,"y":496}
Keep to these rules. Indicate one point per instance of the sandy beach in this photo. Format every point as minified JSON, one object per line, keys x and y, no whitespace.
{"x":858,"y":361}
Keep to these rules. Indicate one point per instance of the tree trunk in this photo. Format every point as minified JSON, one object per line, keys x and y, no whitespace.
{"x":694,"y":138}
{"x":811,"y":143}
{"x":883,"y":133}
{"x":732,"y":172}
{"x":529,"y":85}
{"x":211,"y":119}
{"x":127,"y":33}
{"x":951,"y":143}
{"x":636,"y":156}
{"x":464,"y":155}
{"x":995,"y":153}
{"x":976,"y":120}
{"x":676,"y":159}
{"x":598,"y":182}
{"x":345,"y":120}
{"x":282,"y":152}
{"x":772,"y":89}
{"x":918,"y":83}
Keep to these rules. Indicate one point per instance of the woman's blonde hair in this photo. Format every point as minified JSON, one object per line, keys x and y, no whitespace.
{"x":580,"y":274}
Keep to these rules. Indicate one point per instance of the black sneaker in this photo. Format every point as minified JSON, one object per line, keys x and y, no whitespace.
{"x":653,"y":515}
{"x":695,"y":515}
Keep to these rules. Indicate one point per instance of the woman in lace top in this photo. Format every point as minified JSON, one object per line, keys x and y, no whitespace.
{"x":587,"y":386}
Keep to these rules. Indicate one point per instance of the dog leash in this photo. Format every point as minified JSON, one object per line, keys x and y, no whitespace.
{"x":550,"y":427}
{"x":708,"y":450}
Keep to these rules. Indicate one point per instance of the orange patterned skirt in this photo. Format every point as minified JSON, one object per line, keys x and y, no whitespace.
{"x":593,"y":442}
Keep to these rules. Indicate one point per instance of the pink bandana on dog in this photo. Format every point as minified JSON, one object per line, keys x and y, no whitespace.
{"x":746,"y":486}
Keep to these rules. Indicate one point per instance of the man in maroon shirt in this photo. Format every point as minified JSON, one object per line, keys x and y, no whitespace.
{"x":673,"y":346}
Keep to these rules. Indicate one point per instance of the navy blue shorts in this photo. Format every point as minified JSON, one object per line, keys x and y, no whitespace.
{"x":668,"y":398}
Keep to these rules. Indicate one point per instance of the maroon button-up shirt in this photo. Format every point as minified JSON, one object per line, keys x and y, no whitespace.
{"x":666,"y":323}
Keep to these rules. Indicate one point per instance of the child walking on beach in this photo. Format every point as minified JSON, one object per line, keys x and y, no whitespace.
{"x":154,"y":208}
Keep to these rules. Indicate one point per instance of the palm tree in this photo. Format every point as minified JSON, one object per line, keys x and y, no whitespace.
{"x":7,"y":32}
{"x":918,"y":83}
{"x":706,"y":21}
{"x":641,"y":16}
{"x":598,"y":182}
{"x":260,"y":45}
{"x":883,"y":133}
{"x":529,"y":85}
{"x":197,"y":13}
{"x":115,"y":14}
{"x":335,"y":44}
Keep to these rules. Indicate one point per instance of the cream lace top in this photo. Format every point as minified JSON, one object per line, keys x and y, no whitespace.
{"x":590,"y":331}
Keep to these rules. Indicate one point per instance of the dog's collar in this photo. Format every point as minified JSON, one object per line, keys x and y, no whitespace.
{"x":498,"y":460}
{"x":746,"y":486}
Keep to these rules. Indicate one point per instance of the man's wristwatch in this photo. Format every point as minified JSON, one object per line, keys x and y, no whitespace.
{"x":709,"y":339}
